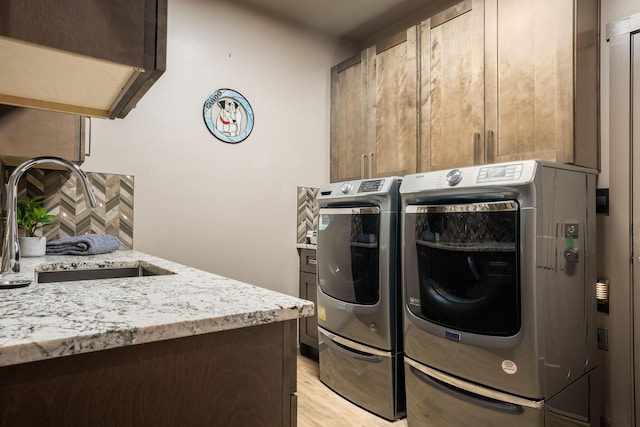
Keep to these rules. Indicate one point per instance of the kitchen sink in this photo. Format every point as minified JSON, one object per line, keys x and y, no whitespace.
{"x":96,"y":273}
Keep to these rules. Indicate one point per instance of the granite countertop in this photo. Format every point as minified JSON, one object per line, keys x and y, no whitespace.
{"x":306,"y":246}
{"x":48,"y":320}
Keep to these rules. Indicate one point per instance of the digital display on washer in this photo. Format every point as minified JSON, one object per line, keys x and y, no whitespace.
{"x":497,"y":172}
{"x":369,"y":186}
{"x":500,"y":173}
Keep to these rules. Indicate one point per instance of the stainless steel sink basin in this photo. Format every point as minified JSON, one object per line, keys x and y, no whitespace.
{"x":106,"y":272}
{"x":14,"y":283}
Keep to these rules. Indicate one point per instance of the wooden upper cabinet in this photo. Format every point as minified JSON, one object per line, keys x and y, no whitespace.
{"x":26,"y":133}
{"x":505,"y":80}
{"x":87,"y":57}
{"x":452,"y":87}
{"x":348,"y":118}
{"x":373,"y":111}
{"x":483,"y":81}
{"x":533,"y":103}
{"x":392,"y":106}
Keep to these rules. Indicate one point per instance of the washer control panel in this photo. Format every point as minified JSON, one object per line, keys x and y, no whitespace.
{"x":359,"y":188}
{"x":500,"y":173}
{"x":514,"y":173}
{"x":371,"y":185}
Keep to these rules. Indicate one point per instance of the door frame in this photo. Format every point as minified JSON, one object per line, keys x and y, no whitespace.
{"x":622,"y":383}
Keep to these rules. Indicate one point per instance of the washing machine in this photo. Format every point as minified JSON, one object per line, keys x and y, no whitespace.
{"x":499,"y":296}
{"x":359,"y":302}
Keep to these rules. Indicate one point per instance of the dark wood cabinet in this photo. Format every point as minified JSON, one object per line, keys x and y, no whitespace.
{"x":237,"y":377}
{"x":87,"y":57}
{"x":26,"y":133}
{"x":308,"y":328}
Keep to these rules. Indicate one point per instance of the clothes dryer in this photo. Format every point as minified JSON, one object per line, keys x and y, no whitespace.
{"x":359,"y":312}
{"x":499,"y":295}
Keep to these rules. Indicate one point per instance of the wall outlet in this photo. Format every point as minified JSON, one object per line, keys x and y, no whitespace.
{"x":603,"y":339}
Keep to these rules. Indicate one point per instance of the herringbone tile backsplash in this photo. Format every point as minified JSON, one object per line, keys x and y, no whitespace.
{"x":307,"y":212}
{"x":64,"y":197}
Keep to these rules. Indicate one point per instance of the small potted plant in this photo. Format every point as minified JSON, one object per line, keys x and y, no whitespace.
{"x":32,"y":217}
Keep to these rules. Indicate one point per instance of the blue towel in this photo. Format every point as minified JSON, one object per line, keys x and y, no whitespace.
{"x":89,"y":244}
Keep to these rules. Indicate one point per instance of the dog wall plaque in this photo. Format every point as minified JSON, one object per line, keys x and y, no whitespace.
{"x":228,"y":116}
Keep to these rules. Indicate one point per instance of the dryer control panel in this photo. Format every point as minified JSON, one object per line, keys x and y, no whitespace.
{"x":501,"y":173}
{"x":513,"y":173}
{"x":358,"y":188}
{"x":371,"y":185}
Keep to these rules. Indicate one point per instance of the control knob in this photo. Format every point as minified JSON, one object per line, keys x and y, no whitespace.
{"x":454,"y":177}
{"x":346,"y":187}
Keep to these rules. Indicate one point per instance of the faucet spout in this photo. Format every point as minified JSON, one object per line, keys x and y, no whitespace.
{"x":11,"y":249}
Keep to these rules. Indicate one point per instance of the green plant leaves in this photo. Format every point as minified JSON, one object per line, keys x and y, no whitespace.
{"x":32,"y":216}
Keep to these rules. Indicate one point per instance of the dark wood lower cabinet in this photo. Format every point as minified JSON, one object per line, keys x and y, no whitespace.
{"x":308,"y":332}
{"x":240,"y":377}
{"x":308,"y":328}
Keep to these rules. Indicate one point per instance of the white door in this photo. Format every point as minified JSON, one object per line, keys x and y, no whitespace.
{"x":622,"y":370}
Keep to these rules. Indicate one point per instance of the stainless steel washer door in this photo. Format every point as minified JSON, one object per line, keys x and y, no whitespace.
{"x":349,"y":253}
{"x":358,"y":280}
{"x":462,"y":266}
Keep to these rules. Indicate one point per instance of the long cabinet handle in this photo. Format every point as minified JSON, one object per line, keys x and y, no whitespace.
{"x":478,"y":151}
{"x":491,"y":156}
{"x":87,"y":136}
{"x":370,"y":165}
{"x":363,"y":158}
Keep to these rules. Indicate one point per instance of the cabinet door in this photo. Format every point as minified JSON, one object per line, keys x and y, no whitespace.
{"x":81,"y":26}
{"x":530,"y":79}
{"x":309,"y":325}
{"x":392,"y":82}
{"x":452,"y":87}
{"x":26,"y":133}
{"x":348,"y":91}
{"x":89,"y":57}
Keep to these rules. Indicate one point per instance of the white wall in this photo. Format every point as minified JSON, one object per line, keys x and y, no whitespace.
{"x":224,"y":208}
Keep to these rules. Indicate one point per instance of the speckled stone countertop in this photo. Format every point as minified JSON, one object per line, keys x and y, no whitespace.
{"x":47,"y":320}
{"x":306,"y":246}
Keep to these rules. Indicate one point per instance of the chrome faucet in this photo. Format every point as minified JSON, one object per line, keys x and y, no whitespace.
{"x":11,"y":250}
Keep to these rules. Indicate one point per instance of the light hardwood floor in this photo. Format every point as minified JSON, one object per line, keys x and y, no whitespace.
{"x":319,"y":406}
